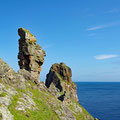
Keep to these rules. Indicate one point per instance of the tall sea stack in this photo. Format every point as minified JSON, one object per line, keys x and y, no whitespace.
{"x":31,"y":56}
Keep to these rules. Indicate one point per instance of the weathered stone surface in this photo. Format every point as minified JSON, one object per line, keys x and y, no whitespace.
{"x":10,"y":77}
{"x":31,"y":55}
{"x":5,"y":113}
{"x":4,"y":68}
{"x":68,"y":114}
{"x":5,"y":100}
{"x":25,"y":102}
{"x":60,"y":75}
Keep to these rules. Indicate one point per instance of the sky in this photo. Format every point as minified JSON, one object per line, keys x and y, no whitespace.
{"x":84,"y":34}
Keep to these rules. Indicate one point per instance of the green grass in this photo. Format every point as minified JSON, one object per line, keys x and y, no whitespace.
{"x":0,"y":116}
{"x":43,"y":111}
{"x":79,"y":115}
{"x":3,"y":94}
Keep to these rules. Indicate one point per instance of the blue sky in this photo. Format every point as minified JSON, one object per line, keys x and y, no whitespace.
{"x":84,"y":34}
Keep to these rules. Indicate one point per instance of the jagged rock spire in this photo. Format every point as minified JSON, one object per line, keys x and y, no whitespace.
{"x":31,"y":56}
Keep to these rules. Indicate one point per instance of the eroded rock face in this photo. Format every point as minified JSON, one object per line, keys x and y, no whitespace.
{"x":10,"y":77}
{"x":10,"y":83}
{"x":31,"y":56}
{"x":60,"y":76}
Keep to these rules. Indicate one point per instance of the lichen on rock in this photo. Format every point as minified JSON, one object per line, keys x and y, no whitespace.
{"x":31,"y":56}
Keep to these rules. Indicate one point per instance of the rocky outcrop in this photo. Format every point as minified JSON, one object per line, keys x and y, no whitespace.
{"x":21,"y":98}
{"x":59,"y":76}
{"x":31,"y":55}
{"x":10,"y":77}
{"x":9,"y":82}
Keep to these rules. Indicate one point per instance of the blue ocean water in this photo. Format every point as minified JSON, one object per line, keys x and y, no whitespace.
{"x":100,"y":99}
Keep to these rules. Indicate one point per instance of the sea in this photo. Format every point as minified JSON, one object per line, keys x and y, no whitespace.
{"x":100,"y":99}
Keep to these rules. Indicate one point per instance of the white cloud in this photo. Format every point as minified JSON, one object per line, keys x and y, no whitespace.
{"x":115,"y":10}
{"x":47,"y":46}
{"x":103,"y":26}
{"x":91,"y":35}
{"x":95,"y":28}
{"x":102,"y":57}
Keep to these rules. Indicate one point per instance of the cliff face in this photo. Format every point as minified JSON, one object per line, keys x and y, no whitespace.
{"x":24,"y":97}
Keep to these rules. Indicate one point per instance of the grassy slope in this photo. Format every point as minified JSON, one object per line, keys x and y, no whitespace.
{"x":45,"y":104}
